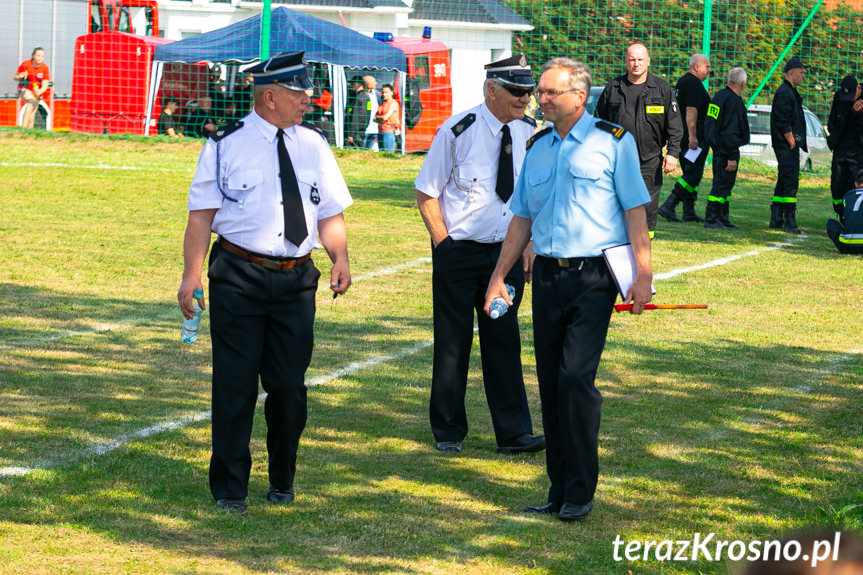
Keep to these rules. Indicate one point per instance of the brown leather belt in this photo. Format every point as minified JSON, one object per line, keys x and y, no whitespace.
{"x":277,"y":263}
{"x":573,"y":262}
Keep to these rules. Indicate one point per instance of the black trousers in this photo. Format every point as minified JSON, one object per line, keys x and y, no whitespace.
{"x":834,"y":230}
{"x":461,"y":271}
{"x":723,"y":182}
{"x":845,"y":169}
{"x":261,"y":323}
{"x":651,"y":172}
{"x":686,"y":187}
{"x":571,"y":312}
{"x":787,"y":175}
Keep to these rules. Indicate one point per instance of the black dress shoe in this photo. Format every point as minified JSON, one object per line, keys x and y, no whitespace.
{"x":526,"y":443}
{"x":278,"y":496}
{"x":236,"y":505}
{"x":449,"y":446}
{"x":548,"y":508}
{"x":574,"y":512}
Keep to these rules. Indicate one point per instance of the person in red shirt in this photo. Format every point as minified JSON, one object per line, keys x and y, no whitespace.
{"x":387,"y":118}
{"x":34,"y":78}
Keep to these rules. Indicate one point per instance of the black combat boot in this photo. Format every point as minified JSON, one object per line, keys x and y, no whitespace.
{"x":775,"y":216}
{"x":711,"y":216}
{"x":689,"y":214}
{"x":667,"y":209}
{"x":723,"y":216}
{"x":789,"y":223}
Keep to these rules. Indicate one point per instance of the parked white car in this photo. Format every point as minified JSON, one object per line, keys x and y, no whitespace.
{"x":759,"y":147}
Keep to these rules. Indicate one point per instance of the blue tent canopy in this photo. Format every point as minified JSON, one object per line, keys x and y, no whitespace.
{"x":290,"y":31}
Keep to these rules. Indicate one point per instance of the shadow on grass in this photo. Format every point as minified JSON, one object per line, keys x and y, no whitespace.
{"x":35,"y":314}
{"x":689,"y":447}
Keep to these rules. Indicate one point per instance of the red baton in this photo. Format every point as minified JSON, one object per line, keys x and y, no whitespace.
{"x":628,"y":306}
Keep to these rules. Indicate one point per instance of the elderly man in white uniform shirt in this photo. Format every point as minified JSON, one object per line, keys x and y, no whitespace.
{"x":270,"y":187}
{"x":463,"y":192}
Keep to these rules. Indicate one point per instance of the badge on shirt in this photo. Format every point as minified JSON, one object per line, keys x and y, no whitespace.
{"x":713,"y":111}
{"x":656,"y":109}
{"x":315,"y":196}
{"x":508,"y":149}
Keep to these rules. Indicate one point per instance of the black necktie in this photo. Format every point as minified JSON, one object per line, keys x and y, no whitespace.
{"x":504,"y":165}
{"x":292,"y":203}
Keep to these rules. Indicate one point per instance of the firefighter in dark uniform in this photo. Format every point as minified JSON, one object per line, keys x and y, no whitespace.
{"x":849,"y":237}
{"x":845,"y":138}
{"x":644,"y":105}
{"x":271,"y":189}
{"x":693,"y":100}
{"x":726,"y":128}
{"x":463,"y":192}
{"x":788,"y":136}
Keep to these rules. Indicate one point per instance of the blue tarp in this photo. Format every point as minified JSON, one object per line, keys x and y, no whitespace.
{"x":290,"y":31}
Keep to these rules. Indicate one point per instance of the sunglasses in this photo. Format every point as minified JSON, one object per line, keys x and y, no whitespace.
{"x":517,"y":92}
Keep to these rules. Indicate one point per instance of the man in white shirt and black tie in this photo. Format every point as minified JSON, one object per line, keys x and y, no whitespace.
{"x":270,"y":187}
{"x":463,"y":192}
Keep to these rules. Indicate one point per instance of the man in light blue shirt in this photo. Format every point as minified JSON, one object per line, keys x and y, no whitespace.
{"x":580,"y":191}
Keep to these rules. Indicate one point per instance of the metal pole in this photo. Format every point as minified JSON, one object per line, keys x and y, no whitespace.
{"x":49,"y":124}
{"x":20,"y":55}
{"x":785,"y":51}
{"x":705,"y":36}
{"x":20,"y":30}
{"x":264,"y":51}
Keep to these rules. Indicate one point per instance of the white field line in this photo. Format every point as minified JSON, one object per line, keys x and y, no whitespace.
{"x":103,"y":448}
{"x":723,"y":261}
{"x":119,"y":441}
{"x":93,"y":166}
{"x":831,"y":366}
{"x":131,"y":322}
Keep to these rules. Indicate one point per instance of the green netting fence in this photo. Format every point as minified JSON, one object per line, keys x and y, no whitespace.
{"x":754,"y":34}
{"x":759,"y":35}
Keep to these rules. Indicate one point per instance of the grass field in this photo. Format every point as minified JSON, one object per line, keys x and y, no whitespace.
{"x":744,"y":420}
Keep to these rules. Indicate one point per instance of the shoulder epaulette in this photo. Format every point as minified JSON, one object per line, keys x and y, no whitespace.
{"x":538,"y":135}
{"x":315,"y":128}
{"x":529,"y":120}
{"x":463,"y":124}
{"x":612,"y":129}
{"x":227,"y":130}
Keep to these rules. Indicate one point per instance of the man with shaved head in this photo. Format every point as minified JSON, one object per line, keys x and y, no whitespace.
{"x":694,"y":100}
{"x":645,"y":106}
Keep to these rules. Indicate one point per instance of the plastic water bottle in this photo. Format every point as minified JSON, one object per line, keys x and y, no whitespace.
{"x":189,"y":332}
{"x":498,"y":305}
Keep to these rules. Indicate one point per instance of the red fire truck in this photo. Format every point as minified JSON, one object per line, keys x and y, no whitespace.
{"x":428,"y":98}
{"x":140,"y":17}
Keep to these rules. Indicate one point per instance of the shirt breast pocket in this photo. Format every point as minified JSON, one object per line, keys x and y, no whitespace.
{"x":309,"y":182}
{"x":241,"y":186}
{"x":583,"y":179}
{"x":538,"y":189}
{"x":473,"y":177}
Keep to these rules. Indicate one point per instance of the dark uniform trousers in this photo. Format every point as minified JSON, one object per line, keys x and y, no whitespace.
{"x":845,"y":170}
{"x":461,"y":272}
{"x":686,"y":187}
{"x":261,"y":323}
{"x":651,"y":172}
{"x":723,"y":181}
{"x":788,"y":175}
{"x":571,"y":312}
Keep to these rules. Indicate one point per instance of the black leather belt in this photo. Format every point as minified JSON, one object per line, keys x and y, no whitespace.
{"x":271,"y":263}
